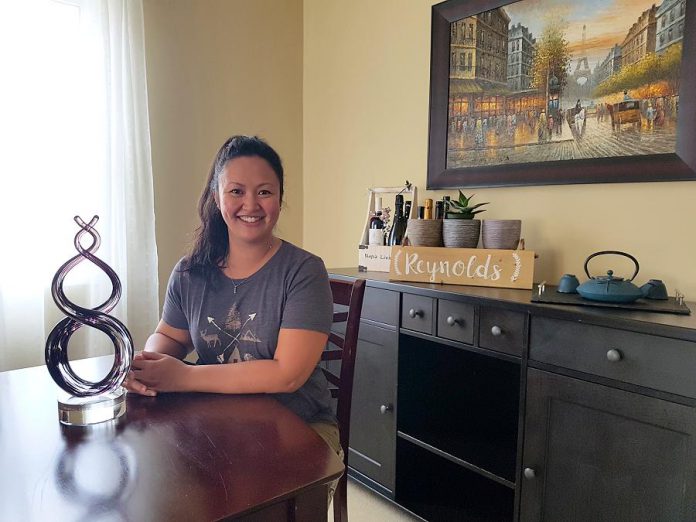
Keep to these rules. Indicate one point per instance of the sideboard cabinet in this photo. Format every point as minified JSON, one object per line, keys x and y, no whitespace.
{"x":476,"y":404}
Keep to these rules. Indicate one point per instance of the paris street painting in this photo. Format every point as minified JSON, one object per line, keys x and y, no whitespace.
{"x":550,"y":80}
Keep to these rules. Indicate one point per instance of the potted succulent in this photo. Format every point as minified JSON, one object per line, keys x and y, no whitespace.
{"x":460,"y":229}
{"x":461,"y":209}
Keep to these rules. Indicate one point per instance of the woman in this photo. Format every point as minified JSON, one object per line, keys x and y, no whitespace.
{"x":256,"y":309}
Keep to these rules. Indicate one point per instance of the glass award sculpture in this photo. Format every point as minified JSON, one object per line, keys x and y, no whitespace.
{"x":85,"y":402}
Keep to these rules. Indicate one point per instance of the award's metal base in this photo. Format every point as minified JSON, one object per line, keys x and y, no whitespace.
{"x":85,"y":411}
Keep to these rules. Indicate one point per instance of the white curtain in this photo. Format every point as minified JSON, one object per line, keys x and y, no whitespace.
{"x":74,"y":140}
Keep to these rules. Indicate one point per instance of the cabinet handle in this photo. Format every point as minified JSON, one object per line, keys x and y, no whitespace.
{"x":529,"y":473}
{"x":452,"y":321}
{"x":614,"y":355}
{"x":496,"y":331}
{"x":384,"y":408}
{"x":415,"y":313}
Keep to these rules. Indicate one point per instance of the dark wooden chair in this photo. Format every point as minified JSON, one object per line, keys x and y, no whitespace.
{"x":342,"y":348}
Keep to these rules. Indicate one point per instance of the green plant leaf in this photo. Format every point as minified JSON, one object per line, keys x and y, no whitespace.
{"x":461,"y":208}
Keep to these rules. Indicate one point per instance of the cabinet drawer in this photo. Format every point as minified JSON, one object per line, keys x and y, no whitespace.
{"x":417,"y":313}
{"x":381,"y":306}
{"x":645,"y":360}
{"x":455,"y":321}
{"x":502,"y":330}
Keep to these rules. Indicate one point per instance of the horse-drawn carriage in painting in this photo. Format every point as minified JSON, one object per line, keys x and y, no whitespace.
{"x":624,"y":112}
{"x":576,"y":118}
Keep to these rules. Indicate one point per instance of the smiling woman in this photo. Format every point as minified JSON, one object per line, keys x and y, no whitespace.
{"x":75,"y":140}
{"x":249,"y":201}
{"x":243,"y":296}
{"x":257,"y":310}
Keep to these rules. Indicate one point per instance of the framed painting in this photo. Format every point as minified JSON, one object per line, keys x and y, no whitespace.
{"x":541,"y":92}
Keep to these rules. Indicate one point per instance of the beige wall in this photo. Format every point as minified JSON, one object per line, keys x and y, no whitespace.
{"x":341,"y":90}
{"x":366,"y":89}
{"x":217,"y":68}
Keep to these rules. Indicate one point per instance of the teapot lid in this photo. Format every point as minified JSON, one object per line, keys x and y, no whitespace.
{"x":608,"y":278}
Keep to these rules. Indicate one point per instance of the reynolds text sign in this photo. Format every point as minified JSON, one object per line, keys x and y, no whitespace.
{"x":463,"y":266}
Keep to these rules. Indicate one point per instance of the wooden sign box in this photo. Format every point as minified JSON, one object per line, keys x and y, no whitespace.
{"x":463,"y":266}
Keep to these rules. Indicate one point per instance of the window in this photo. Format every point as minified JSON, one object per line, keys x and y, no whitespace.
{"x":65,"y":122}
{"x":46,"y":89}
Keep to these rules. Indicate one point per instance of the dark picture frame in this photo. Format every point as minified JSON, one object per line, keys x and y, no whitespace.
{"x":678,"y":166}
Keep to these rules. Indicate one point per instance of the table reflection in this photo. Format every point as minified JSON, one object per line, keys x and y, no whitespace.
{"x":96,"y":471}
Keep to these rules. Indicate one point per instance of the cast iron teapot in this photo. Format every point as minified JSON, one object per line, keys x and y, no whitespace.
{"x":609,"y":288}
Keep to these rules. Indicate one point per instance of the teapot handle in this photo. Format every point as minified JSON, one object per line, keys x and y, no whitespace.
{"x":603,"y":252}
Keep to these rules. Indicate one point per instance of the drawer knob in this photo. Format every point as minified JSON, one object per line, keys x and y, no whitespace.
{"x":384,"y":408}
{"x":413,"y":313}
{"x":614,"y":355}
{"x":529,"y":473}
{"x":496,"y":331}
{"x":452,"y":321}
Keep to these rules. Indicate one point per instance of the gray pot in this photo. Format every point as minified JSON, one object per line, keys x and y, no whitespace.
{"x":503,"y":234}
{"x":461,"y":233}
{"x":425,"y":232}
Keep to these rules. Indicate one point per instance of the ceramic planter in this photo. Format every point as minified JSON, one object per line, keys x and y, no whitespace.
{"x":501,"y":234}
{"x":424,"y":232}
{"x":461,"y":233}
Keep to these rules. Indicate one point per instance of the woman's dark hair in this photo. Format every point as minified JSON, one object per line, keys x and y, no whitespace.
{"x":211,"y":243}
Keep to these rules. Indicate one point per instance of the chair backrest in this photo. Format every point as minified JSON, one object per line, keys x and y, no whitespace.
{"x":350,"y":294}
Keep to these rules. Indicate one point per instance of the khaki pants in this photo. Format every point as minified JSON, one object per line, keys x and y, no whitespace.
{"x":329,"y":432}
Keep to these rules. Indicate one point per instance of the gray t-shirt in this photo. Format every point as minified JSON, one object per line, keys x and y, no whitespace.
{"x":229,"y":325}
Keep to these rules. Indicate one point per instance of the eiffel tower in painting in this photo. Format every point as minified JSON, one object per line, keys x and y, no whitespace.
{"x":582,"y":67}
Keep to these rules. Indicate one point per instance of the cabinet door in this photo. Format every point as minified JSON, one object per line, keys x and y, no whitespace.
{"x":372,"y":426}
{"x":597,"y":453}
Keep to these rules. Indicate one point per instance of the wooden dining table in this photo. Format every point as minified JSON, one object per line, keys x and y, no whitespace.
{"x":177,"y":456}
